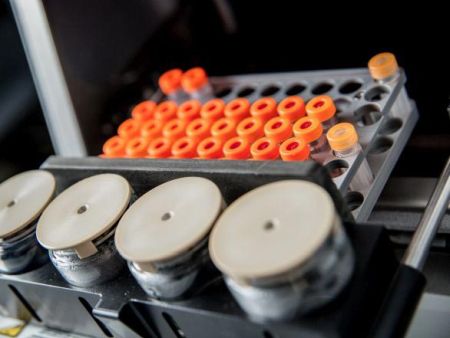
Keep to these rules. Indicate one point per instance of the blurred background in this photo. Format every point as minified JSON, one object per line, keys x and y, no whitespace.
{"x":112,"y":53}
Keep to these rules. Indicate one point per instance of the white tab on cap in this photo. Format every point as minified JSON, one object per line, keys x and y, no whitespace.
{"x":22,"y":199}
{"x":272,"y":229}
{"x":83,"y":212}
{"x":168,"y":220}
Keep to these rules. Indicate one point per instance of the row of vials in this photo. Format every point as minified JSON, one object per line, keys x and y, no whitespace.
{"x":264,"y":130}
{"x":278,"y":254}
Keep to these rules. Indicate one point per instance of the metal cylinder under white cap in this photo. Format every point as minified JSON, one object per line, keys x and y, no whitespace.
{"x":22,"y":199}
{"x":282,"y":249}
{"x":78,"y":226}
{"x":164,"y":235}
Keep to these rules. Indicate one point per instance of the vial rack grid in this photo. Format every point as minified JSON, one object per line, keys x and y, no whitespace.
{"x":380,"y":110}
{"x":120,"y":308}
{"x":382,"y":114}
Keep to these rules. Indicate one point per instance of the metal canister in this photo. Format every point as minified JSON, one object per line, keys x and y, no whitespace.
{"x":164,"y":235}
{"x":22,"y":199}
{"x":78,"y":227}
{"x":283,"y":250}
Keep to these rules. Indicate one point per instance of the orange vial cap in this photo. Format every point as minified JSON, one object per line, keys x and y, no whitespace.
{"x":224,"y":129}
{"x":160,"y":148}
{"x":292,"y":108}
{"x":342,"y":136}
{"x":213,"y":110}
{"x":174,"y":129}
{"x":185,"y":147}
{"x":237,"y":109}
{"x":198,"y":129}
{"x":194,"y":79}
{"x":143,"y":111}
{"x":250,"y":128}
{"x":152,"y":129}
{"x":321,"y":107}
{"x":236,"y":148}
{"x":278,"y":129}
{"x":383,"y":66}
{"x":294,"y":149}
{"x":165,"y":111}
{"x":170,"y":81}
{"x":136,"y":147}
{"x":129,"y":128}
{"x":264,"y":109}
{"x":210,"y":147}
{"x":265,"y":149}
{"x":308,"y":128}
{"x":114,"y":147}
{"x":189,"y":110}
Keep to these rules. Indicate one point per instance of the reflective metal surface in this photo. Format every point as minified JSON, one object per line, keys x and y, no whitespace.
{"x":310,"y":286}
{"x":20,"y":251}
{"x":420,"y":245}
{"x":172,"y":278}
{"x":104,"y":265}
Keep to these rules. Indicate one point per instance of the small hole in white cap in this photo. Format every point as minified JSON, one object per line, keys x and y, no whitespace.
{"x":82,"y":209}
{"x":167,"y":216}
{"x":11,"y":203}
{"x":269,"y":225}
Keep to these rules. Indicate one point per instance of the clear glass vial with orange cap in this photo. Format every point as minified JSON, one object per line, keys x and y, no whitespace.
{"x":385,"y":71}
{"x":170,"y":85}
{"x":22,"y":199}
{"x":311,"y":131}
{"x":283,"y":250}
{"x":322,"y":108}
{"x":195,"y":82}
{"x":343,"y":140}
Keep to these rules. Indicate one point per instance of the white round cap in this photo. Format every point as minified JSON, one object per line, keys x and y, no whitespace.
{"x":83,"y":212}
{"x":168,"y":220}
{"x":272,"y":229}
{"x":22,"y":199}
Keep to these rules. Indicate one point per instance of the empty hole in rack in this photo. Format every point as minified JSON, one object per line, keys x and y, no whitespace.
{"x":342,"y":105}
{"x":24,"y":302}
{"x":295,"y":89}
{"x":268,"y":334}
{"x":222,"y":92}
{"x":88,"y":309}
{"x":350,"y":87}
{"x":337,"y":168}
{"x":354,"y":200}
{"x":377,"y":93}
{"x":173,"y":325}
{"x":367,"y":115}
{"x":322,"y":88}
{"x":380,"y":145}
{"x":390,"y":126}
{"x":270,"y":90}
{"x":246,"y":91}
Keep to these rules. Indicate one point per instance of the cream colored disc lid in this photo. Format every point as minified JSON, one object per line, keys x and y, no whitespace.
{"x":272,"y":229}
{"x":22,"y":199}
{"x":168,"y":220}
{"x":83,"y":212}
